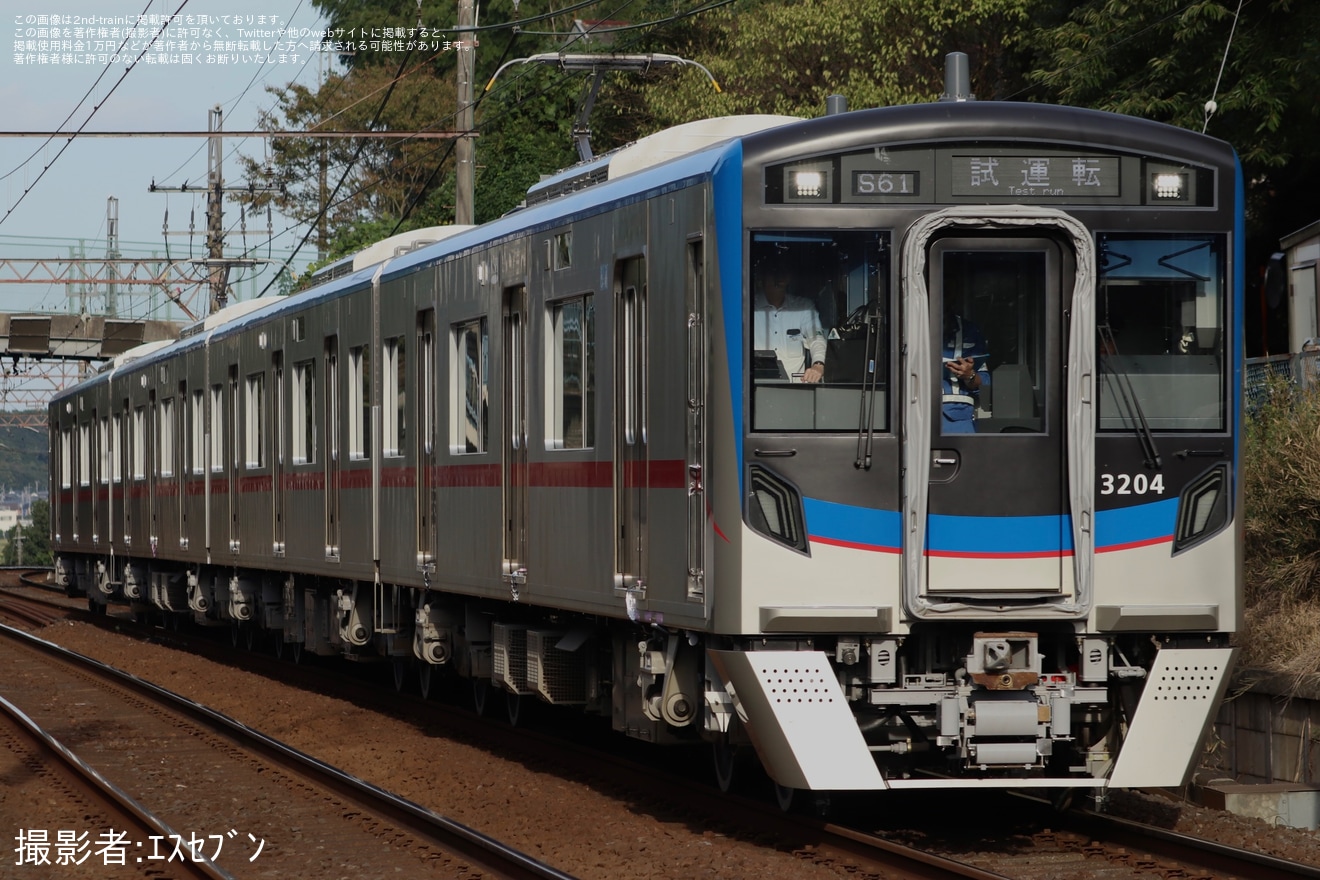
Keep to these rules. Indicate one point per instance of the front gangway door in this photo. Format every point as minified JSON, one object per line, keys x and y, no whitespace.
{"x":1000,"y":427}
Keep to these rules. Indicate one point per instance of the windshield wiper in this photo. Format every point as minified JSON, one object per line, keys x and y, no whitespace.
{"x":1135,"y":415}
{"x":871,"y":364}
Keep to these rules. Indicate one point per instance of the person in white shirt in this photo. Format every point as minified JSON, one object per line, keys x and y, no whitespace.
{"x":786,"y":323}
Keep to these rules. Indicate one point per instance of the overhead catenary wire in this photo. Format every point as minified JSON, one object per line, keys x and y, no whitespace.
{"x":311,"y":227}
{"x":1211,"y":106}
{"x":506,"y":84}
{"x":330,"y":203}
{"x":81,"y":101}
{"x":232,"y":103}
{"x":73,"y":136}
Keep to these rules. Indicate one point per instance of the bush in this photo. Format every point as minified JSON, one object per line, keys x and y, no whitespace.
{"x":1281,"y":484}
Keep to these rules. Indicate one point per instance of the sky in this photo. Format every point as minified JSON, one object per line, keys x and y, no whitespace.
{"x":65,"y":207}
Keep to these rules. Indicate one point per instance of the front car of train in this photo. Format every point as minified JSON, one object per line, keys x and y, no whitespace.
{"x":900,"y":445}
{"x":995,"y":541}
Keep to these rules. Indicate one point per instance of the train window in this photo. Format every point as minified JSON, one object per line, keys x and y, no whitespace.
{"x":563,"y":250}
{"x":217,"y":429}
{"x":332,"y":439}
{"x":196,"y":429}
{"x":818,"y":324}
{"x":277,"y":410}
{"x":235,"y":424}
{"x":1160,"y":317}
{"x":304,"y":412}
{"x":66,"y":459}
{"x":84,"y":455}
{"x":471,"y":389}
{"x":116,"y":458}
{"x":103,"y":451}
{"x":571,"y":387}
{"x":254,"y":437}
{"x":359,"y":402}
{"x":165,"y":442}
{"x":426,"y":381}
{"x":395,"y":382}
{"x":140,"y":443}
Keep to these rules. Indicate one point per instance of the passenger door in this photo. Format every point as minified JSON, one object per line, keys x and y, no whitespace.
{"x":514,"y":344}
{"x":277,"y":456}
{"x":632,"y":458}
{"x":427,"y":453}
{"x":333,"y":447}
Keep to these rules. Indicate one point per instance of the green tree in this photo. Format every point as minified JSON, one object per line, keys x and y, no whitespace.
{"x":361,"y":179}
{"x":1158,"y":60}
{"x":788,"y":56}
{"x":36,"y":539}
{"x":1165,"y":59}
{"x":391,"y":185}
{"x":24,"y":458}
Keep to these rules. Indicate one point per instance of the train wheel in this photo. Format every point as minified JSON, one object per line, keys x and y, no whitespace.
{"x":400,"y":665}
{"x":249,"y":637}
{"x":513,"y":703}
{"x":727,"y":764}
{"x":234,"y":636}
{"x":480,"y":693}
{"x":279,"y":646}
{"x":784,"y":796}
{"x":1062,"y":799}
{"x":296,"y":651}
{"x":424,"y":679}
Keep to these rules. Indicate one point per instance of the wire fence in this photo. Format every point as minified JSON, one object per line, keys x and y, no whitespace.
{"x":1301,"y":371}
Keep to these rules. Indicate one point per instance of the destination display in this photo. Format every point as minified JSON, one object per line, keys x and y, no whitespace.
{"x":1034,"y":176}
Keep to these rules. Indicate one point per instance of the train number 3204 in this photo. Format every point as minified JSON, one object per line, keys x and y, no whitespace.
{"x":1131,"y":484}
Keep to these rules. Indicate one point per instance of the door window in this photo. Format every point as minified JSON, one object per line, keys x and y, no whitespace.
{"x":992,"y":342}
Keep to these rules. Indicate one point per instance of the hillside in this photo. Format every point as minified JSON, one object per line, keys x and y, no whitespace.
{"x":24,"y":458}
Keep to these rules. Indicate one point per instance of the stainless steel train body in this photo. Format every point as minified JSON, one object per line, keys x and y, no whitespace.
{"x":548,"y":453}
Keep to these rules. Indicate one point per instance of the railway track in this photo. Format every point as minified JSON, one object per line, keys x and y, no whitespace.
{"x":1170,"y":851}
{"x":827,"y":846}
{"x":166,"y":746}
{"x":67,"y":777}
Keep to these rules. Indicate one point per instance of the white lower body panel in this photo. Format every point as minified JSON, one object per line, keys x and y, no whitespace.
{"x":807,"y":737}
{"x":1182,"y":692}
{"x":798,"y":719}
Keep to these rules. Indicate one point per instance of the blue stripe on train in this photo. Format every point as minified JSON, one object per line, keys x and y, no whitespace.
{"x":863,"y":527}
{"x":872,"y":529}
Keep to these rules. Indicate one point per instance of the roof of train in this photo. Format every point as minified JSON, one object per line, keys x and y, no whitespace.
{"x":667,"y":159}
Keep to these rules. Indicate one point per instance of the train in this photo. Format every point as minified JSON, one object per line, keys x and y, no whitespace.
{"x":553,"y":455}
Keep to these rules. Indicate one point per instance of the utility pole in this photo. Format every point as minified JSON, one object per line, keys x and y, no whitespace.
{"x":322,"y":234}
{"x":111,"y":253}
{"x":216,"y":263}
{"x":464,"y":149}
{"x":215,"y":197}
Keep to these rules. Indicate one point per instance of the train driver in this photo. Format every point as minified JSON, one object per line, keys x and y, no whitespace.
{"x":965,"y":373}
{"x":786,"y":323}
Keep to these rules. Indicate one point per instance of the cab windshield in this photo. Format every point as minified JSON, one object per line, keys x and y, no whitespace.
{"x":1160,"y":332}
{"x":817,"y":324}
